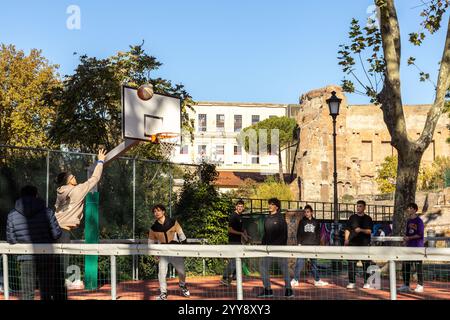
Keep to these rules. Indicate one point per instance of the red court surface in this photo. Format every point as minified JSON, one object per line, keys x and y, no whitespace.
{"x":204,"y":288}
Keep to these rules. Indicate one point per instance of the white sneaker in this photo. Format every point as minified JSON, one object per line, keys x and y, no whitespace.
{"x":418,"y":289}
{"x":185,"y":291}
{"x":76,"y":285}
{"x":162,"y":296}
{"x":404,"y":289}
{"x":367,"y":286}
{"x":320,"y":283}
{"x":294,"y":283}
{"x":351,"y":286}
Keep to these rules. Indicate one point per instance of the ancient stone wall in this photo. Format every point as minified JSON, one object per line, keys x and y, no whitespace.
{"x":363,"y":142}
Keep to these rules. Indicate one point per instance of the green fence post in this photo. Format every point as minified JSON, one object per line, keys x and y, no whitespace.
{"x":91,"y":236}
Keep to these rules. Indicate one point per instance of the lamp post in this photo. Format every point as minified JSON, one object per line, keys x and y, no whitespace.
{"x":333,"y":104}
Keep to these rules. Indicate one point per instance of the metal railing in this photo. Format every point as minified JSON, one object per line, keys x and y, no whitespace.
{"x":396,"y":240}
{"x":323,"y":210}
{"x":389,"y":254}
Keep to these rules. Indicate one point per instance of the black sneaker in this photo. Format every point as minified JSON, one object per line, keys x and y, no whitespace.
{"x":288,"y":293}
{"x":267,"y":293}
{"x":162,"y":296}
{"x":185,"y":291}
{"x":225,"y":282}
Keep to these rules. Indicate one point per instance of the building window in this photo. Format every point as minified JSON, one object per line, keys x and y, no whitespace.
{"x":220,"y":149}
{"x":255,"y":119}
{"x":202,"y":122}
{"x":367,"y":151}
{"x":255,"y":157}
{"x":237,"y":122}
{"x":237,"y":150}
{"x":184,"y":149}
{"x":202,"y":150}
{"x":220,"y":122}
{"x":272,"y":117}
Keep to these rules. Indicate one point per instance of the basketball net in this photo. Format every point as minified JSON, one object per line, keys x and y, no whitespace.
{"x":167,"y":142}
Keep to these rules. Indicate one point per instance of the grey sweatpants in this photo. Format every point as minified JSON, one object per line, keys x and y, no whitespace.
{"x":65,"y":238}
{"x":264,"y":266}
{"x":27,"y":279}
{"x":178,"y":264}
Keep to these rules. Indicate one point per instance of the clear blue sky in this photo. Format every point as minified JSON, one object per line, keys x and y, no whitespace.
{"x":221,"y":50}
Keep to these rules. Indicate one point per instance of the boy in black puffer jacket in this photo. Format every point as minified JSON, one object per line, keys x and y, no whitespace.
{"x":275,"y":234}
{"x":32,"y":222}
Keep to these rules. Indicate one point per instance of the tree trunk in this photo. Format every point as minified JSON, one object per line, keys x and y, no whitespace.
{"x":405,"y":191}
{"x":280,"y":166}
{"x":409,"y":152}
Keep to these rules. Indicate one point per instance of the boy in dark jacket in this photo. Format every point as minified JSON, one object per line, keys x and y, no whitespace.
{"x":32,"y":222}
{"x":358,"y":233}
{"x":308,"y":234}
{"x":236,"y":234}
{"x":275,"y":234}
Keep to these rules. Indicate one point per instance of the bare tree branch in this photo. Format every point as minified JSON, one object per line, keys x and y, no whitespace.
{"x":439,"y":103}
{"x":365,"y":72}
{"x":357,"y":79}
{"x":390,"y":96}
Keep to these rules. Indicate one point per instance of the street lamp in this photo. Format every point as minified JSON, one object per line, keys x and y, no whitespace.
{"x":333,"y":104}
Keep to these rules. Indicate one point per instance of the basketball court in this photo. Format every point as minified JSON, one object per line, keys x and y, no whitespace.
{"x":209,"y":288}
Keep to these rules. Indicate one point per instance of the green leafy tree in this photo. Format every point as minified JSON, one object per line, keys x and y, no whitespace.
{"x":435,"y":174}
{"x":387,"y":174}
{"x":287,"y":128}
{"x":429,"y":177}
{"x":202,"y":211}
{"x":89,"y":113}
{"x":271,"y":188}
{"x":25,"y":108}
{"x":378,"y":51}
{"x":25,"y":114}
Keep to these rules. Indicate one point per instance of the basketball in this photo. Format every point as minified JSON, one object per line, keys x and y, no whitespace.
{"x":153,"y":138}
{"x":145,"y":92}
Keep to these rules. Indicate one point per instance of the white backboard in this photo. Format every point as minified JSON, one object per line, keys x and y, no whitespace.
{"x":141,"y":119}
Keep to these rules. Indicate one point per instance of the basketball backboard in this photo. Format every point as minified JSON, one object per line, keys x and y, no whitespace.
{"x":141,"y":119}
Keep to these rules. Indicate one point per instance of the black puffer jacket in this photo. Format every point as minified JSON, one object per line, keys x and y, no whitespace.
{"x":32,"y":222}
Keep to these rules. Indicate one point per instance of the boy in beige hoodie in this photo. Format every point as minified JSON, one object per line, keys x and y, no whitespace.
{"x":70,"y":203}
{"x":70,"y":197}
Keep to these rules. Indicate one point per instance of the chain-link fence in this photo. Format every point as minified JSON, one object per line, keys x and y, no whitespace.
{"x":128,"y":188}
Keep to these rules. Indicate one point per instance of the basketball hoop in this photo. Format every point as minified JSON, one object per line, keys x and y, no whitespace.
{"x":167,"y":142}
